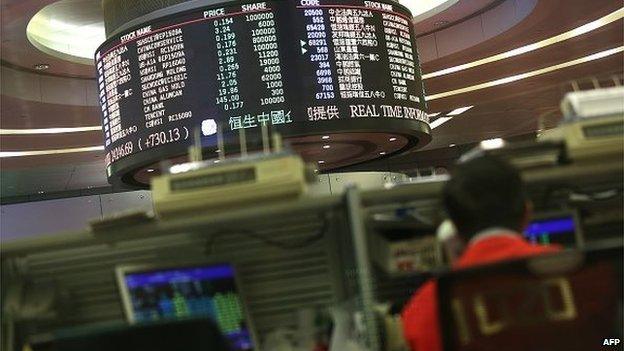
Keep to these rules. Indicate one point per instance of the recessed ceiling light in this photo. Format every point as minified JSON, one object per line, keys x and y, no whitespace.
{"x":426,"y":8}
{"x":459,"y":111}
{"x":326,"y":146}
{"x":65,"y":30}
{"x":382,"y":153}
{"x":321,"y":162}
{"x":393,"y":139}
{"x":491,"y":144}
{"x":490,"y":84}
{"x":50,"y":152}
{"x":150,"y":170}
{"x":586,"y":28}
{"x":41,"y":66}
{"x":438,"y":122}
{"x":325,"y":137}
{"x":452,"y":145}
{"x":49,"y":130}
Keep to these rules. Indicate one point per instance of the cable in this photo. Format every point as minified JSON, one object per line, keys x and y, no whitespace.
{"x":270,"y":242}
{"x":575,"y":194}
{"x":596,"y":196}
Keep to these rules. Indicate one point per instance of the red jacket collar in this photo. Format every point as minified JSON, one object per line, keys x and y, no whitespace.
{"x":493,"y":246}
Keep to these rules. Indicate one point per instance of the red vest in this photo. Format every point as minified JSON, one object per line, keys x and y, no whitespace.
{"x":420,"y":316}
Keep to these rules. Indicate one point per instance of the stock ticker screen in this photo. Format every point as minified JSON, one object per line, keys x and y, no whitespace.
{"x":248,"y":64}
{"x":204,"y":291}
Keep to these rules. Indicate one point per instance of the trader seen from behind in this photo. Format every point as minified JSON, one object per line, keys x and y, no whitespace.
{"x":486,"y":201}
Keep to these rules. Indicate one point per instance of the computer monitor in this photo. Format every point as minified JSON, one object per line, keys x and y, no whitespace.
{"x":558,"y":228}
{"x":173,"y":292}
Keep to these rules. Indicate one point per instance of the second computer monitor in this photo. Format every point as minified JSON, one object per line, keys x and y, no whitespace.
{"x":156,"y":293}
{"x":555,"y":228}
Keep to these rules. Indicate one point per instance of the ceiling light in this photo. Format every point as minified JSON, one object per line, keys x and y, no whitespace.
{"x":325,"y":137}
{"x":41,"y":66}
{"x":491,"y":144}
{"x":459,"y":111}
{"x":150,"y":170}
{"x":49,"y":130}
{"x":321,"y":162}
{"x":422,"y":9}
{"x":452,"y":145}
{"x":50,"y":152}
{"x":612,"y":17}
{"x":393,"y":139}
{"x":382,"y":153}
{"x":40,"y":192}
{"x":326,"y":146}
{"x":596,"y":56}
{"x":438,"y":122}
{"x":68,"y":30}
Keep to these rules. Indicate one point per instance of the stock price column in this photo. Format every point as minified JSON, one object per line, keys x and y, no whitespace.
{"x":228,"y":94}
{"x":250,"y":85}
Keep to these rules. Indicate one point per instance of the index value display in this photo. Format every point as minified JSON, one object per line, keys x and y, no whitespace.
{"x":244,"y":65}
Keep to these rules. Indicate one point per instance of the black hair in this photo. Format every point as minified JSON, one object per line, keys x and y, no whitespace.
{"x":485,"y":192}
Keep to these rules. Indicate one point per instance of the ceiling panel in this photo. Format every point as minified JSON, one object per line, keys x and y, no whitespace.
{"x":549,"y":18}
{"x":17,"y":113}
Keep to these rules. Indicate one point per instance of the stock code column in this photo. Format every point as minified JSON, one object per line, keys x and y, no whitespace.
{"x":362,"y":56}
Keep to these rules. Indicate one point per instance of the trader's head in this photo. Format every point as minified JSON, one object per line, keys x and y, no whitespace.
{"x":486,"y":192}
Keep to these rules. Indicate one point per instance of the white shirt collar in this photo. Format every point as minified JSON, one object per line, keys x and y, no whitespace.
{"x":492,"y":232}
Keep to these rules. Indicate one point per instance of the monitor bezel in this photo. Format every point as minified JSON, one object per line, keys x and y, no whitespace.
{"x":579,"y":238}
{"x":122,"y":270}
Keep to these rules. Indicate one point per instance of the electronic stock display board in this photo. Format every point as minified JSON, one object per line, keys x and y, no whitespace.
{"x":303,"y":67}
